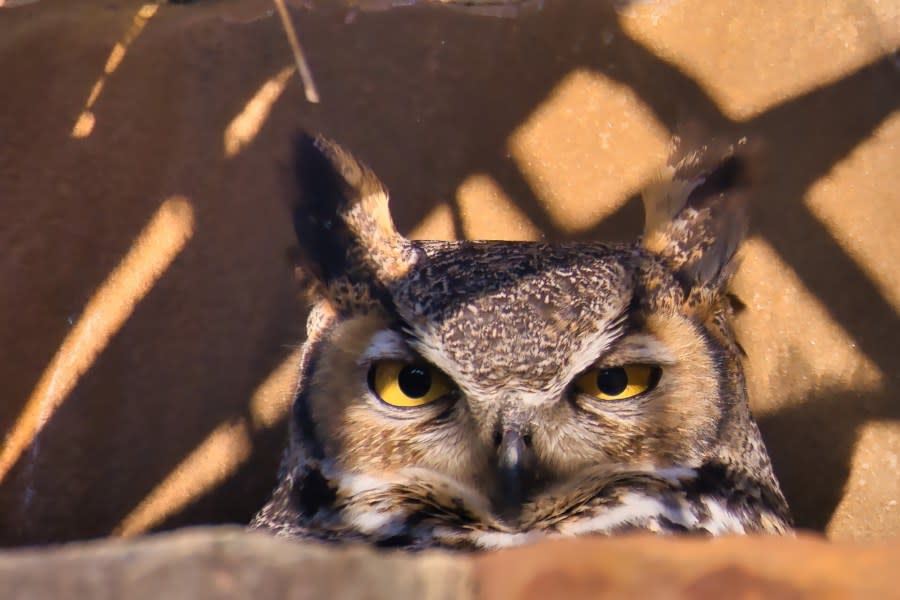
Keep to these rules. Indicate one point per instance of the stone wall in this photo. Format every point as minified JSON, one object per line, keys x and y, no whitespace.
{"x":228,"y":563}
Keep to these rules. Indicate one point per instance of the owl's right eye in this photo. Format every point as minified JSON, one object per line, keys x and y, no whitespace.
{"x":404,"y":384}
{"x":618,"y":383}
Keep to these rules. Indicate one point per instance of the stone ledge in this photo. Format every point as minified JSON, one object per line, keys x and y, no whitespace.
{"x":229,"y":562}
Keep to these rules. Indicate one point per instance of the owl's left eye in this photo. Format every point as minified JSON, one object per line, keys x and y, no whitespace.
{"x":406,"y":384}
{"x":618,"y":383}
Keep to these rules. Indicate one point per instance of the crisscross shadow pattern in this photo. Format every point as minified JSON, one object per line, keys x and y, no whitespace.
{"x":148,"y":367}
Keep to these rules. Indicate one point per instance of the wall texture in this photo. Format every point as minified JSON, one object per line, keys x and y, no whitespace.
{"x":149,"y":316}
{"x":205,"y":563}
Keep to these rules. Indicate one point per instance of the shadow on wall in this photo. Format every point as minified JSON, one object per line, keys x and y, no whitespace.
{"x":191,"y":386}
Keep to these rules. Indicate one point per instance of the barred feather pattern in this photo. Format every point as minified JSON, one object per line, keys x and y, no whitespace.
{"x":418,"y":509}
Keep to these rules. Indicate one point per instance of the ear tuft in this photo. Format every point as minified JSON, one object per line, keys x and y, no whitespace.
{"x":696,"y":216}
{"x":341,"y":218}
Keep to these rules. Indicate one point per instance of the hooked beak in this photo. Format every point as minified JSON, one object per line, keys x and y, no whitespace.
{"x":516,"y":465}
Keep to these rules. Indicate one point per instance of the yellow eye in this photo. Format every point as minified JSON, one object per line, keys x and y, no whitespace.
{"x":405,"y":384}
{"x":618,"y":383}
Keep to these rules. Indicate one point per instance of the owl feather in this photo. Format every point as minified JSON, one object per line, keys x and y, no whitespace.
{"x":477,"y":395}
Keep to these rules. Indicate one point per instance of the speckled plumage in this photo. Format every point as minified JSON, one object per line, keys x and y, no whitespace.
{"x":513,"y":325}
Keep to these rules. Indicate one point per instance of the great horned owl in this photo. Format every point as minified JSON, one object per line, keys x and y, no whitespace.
{"x":482,"y":394}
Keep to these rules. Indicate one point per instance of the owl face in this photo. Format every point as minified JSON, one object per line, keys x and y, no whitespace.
{"x":484,"y":393}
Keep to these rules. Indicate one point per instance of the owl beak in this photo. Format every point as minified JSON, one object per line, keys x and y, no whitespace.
{"x":516,"y":464}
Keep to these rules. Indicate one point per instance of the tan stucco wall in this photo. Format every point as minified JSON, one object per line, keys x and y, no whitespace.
{"x":149,"y":316}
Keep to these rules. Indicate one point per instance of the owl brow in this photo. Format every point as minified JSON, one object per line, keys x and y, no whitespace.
{"x":412,"y":340}
{"x":619,"y":326}
{"x":598,"y":344}
{"x":639,"y":347}
{"x":405,"y":330}
{"x":388,"y":342}
{"x":422,"y":348}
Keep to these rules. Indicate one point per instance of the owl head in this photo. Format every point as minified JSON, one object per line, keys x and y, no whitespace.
{"x":484,"y":393}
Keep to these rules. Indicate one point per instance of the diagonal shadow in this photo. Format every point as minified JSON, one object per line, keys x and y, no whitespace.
{"x":802,"y":139}
{"x":821,"y":461}
{"x":797,"y":150}
{"x":499,"y":72}
{"x":800,"y":151}
{"x":827,"y":441}
{"x":171,"y":373}
{"x":673,"y":97}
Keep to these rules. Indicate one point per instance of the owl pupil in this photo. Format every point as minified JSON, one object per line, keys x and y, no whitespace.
{"x":612,"y":382}
{"x":414,"y":381}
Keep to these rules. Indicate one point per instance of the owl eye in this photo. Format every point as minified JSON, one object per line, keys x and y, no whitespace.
{"x":618,"y":383}
{"x":405,"y":384}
